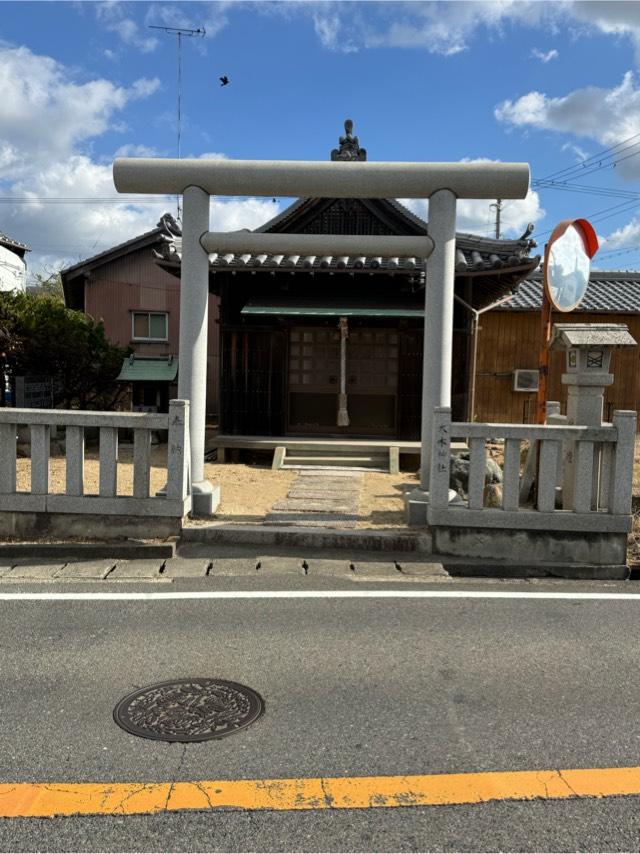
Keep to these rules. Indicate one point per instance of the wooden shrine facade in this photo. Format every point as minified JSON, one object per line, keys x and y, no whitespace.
{"x":281,"y":330}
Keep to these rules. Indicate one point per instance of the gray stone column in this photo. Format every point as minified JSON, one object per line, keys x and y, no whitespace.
{"x":438,"y":339}
{"x":438,"y":320}
{"x":194,"y":316}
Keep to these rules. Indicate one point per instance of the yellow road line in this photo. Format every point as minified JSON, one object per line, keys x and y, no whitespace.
{"x":315,"y":793}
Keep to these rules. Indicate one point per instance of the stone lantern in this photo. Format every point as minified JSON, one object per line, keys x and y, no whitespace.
{"x":588,"y":348}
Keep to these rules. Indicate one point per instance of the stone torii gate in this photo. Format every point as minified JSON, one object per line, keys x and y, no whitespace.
{"x":197,"y":180}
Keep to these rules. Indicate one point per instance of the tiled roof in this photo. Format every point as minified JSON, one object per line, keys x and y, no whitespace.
{"x":10,"y":243}
{"x":472,"y":256}
{"x":617,"y":291}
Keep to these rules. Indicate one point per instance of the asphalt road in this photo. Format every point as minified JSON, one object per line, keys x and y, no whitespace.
{"x":353,"y":687}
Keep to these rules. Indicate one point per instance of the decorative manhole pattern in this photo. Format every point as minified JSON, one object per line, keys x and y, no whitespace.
{"x":188,"y":709}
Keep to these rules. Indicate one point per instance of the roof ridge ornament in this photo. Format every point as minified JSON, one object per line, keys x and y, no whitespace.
{"x":169,"y":226}
{"x":349,"y":145}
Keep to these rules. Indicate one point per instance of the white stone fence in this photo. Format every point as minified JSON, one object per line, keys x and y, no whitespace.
{"x":595,"y":464}
{"x":175,"y":503}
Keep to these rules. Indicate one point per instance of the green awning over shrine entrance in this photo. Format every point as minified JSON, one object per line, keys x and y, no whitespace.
{"x":324,"y":309}
{"x":148,"y":370}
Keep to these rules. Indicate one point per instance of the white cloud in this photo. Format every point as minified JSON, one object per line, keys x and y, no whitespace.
{"x":545,"y":57}
{"x":327,"y":29}
{"x":131,"y":150}
{"x":144,"y":87}
{"x":580,"y":153}
{"x":608,"y":116}
{"x":61,"y":235}
{"x":611,"y":17}
{"x":627,"y":235}
{"x":46,"y":117}
{"x":444,"y":28}
{"x":45,"y":113}
{"x":113,"y":16}
{"x":235,"y":214}
{"x":478,"y":217}
{"x":449,"y":27}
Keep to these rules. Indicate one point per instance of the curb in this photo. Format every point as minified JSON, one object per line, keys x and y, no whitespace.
{"x":389,"y":541}
{"x":88,"y":551}
{"x":300,"y":537}
{"x":459,"y":568}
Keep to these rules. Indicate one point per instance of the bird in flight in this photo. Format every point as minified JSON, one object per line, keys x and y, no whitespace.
{"x":224,"y":80}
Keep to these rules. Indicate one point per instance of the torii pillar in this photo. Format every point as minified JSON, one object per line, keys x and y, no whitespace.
{"x":194,"y":322}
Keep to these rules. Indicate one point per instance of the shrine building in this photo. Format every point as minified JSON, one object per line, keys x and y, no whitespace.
{"x":292,"y":327}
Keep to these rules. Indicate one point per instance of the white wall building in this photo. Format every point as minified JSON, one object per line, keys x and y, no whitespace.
{"x":13,"y":267}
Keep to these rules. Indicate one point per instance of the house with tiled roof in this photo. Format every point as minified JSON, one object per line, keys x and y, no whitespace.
{"x":13,"y":267}
{"x":139,"y":304}
{"x":509,"y":341}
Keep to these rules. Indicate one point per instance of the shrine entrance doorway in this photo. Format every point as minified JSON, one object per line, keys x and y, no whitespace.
{"x":371,"y":373}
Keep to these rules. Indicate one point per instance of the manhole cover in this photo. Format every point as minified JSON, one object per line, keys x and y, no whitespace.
{"x":188,"y":709}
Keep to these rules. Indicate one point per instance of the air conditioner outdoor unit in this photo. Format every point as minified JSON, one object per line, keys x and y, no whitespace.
{"x":526,"y":380}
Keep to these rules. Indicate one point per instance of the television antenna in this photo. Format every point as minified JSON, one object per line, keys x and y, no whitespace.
{"x":187,"y":33}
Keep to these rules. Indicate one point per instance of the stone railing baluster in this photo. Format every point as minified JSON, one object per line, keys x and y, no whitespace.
{"x":8,"y":449}
{"x":606,"y":461}
{"x":511,"y":475}
{"x":477,"y":470}
{"x":583,"y":471}
{"x":547,"y":473}
{"x":40,"y":450}
{"x":141,"y":462}
{"x":621,"y":482}
{"x":108,"y":461}
{"x":75,"y":459}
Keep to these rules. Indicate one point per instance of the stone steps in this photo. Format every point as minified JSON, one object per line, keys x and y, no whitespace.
{"x":365,"y":461}
{"x":320,"y":499}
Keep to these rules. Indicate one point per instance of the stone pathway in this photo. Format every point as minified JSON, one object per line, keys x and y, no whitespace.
{"x":323,"y":498}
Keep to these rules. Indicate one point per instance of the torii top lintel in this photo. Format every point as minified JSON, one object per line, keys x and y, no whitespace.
{"x":321,"y":179}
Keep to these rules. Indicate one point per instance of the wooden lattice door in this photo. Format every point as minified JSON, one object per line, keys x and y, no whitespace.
{"x":314,"y":381}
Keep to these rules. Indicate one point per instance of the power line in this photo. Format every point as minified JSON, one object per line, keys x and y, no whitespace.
{"x":81,"y":200}
{"x":147,"y":199}
{"x":619,"y":251}
{"x":587,"y":189}
{"x":598,"y":157}
{"x":560,"y":179}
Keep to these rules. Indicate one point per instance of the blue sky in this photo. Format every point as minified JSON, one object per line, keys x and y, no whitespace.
{"x":549,"y":83}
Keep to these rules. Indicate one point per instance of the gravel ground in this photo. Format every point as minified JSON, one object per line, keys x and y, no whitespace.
{"x":248,"y":491}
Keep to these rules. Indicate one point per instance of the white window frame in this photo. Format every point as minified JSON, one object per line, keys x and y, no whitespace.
{"x":135,"y":337}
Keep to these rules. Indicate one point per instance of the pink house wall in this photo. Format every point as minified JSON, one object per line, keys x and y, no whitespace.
{"x":136,"y":283}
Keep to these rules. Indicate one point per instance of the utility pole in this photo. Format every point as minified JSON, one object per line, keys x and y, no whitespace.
{"x":498,"y":207}
{"x":179,"y":32}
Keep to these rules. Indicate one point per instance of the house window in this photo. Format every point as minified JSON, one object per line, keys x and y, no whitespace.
{"x":149,"y":326}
